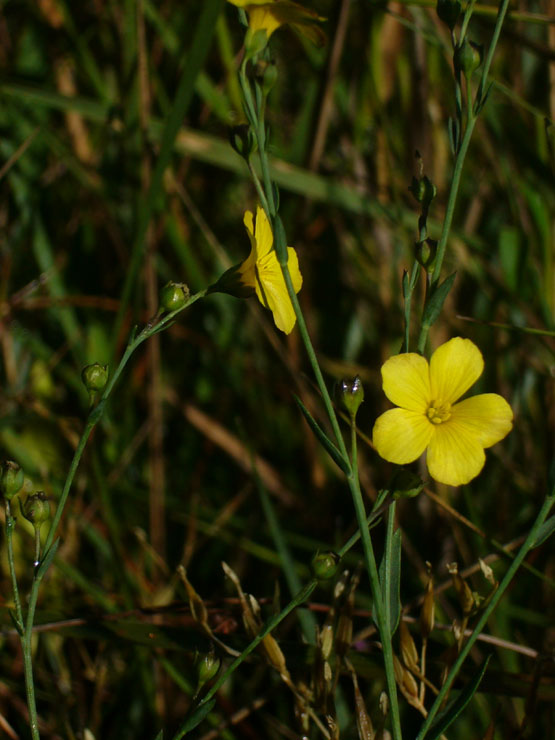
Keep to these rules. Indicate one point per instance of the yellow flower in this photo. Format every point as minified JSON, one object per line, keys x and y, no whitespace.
{"x":454,"y":434}
{"x":268,"y":15}
{"x":261,"y":271}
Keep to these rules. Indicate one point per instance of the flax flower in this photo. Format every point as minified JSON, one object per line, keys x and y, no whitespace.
{"x":454,"y":435}
{"x":260,"y":273}
{"x":268,"y":15}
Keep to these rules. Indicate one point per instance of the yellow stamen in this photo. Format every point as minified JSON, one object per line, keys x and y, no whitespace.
{"x":438,"y":412}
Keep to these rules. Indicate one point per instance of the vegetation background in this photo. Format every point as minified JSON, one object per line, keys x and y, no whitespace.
{"x":91,"y":230}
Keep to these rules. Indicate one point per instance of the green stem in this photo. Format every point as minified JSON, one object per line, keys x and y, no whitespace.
{"x":459,"y":162}
{"x":509,"y":575}
{"x":26,"y":648}
{"x":380,"y":610}
{"x":94,"y":417}
{"x":10,"y":523}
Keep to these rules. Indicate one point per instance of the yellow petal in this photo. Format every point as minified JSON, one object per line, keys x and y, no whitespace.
{"x":406,"y":381}
{"x":264,"y":18}
{"x":454,"y":367}
{"x":294,"y":271}
{"x":487,"y":416}
{"x":401,"y":436}
{"x":455,"y":455}
{"x":263,"y":234}
{"x":272,"y":293}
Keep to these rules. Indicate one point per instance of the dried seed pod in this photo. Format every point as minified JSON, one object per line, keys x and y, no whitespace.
{"x":409,"y":653}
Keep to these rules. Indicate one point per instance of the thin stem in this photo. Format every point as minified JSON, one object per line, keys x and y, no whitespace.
{"x":10,"y":523}
{"x":94,"y":417}
{"x":314,"y":362}
{"x":472,"y":114}
{"x":378,"y":605}
{"x":26,"y":648}
{"x":527,"y":545}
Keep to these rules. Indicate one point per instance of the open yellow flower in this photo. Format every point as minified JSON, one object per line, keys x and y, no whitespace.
{"x":268,"y":15}
{"x":261,"y":271}
{"x":454,"y":434}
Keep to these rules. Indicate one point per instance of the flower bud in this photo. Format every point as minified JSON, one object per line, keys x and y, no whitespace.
{"x":423,"y":190}
{"x":324,"y":565}
{"x":207,"y":667}
{"x":36,"y":509}
{"x":95,"y":377}
{"x":243,"y":140}
{"x":449,"y":11}
{"x":11,"y":479}
{"x":255,"y":42}
{"x":173,"y":296}
{"x":266,"y":73}
{"x":468,"y":57}
{"x":352,"y":394}
{"x":425,"y":253}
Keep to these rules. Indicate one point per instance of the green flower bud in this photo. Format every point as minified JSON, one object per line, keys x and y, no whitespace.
{"x":352,"y":394}
{"x":95,"y":377}
{"x":242,"y":140}
{"x":36,"y":509}
{"x":207,"y":667}
{"x":449,"y":11}
{"x":423,"y":190}
{"x":173,"y":296}
{"x":405,"y":484}
{"x":11,"y":479}
{"x":266,"y":73}
{"x":324,"y":565}
{"x":468,"y":57}
{"x":425,"y":253}
{"x":255,"y":42}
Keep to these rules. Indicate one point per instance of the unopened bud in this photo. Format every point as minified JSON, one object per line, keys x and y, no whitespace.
{"x":36,"y":509}
{"x":324,"y":565}
{"x":11,"y":479}
{"x":425,"y":253}
{"x":449,"y":11}
{"x":173,"y":296}
{"x":468,"y":57}
{"x":95,"y":377}
{"x":266,"y":73}
{"x":255,"y":42}
{"x":207,"y":667}
{"x":243,"y":140}
{"x":423,"y":189}
{"x":352,"y":394}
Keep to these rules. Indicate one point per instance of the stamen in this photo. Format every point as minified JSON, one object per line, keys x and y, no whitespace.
{"x":438,"y":412}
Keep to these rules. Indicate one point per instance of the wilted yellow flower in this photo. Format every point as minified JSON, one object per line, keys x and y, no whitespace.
{"x":268,"y":15}
{"x":454,"y":434}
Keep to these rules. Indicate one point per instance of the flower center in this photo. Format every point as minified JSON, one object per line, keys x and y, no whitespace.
{"x":438,"y":412}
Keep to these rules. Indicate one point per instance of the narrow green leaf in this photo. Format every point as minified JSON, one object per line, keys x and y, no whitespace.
{"x":455,"y":707}
{"x":436,"y":300}
{"x":390,"y":580}
{"x":545,"y":531}
{"x":47,"y":559}
{"x":194,"y":719}
{"x":324,"y":440}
